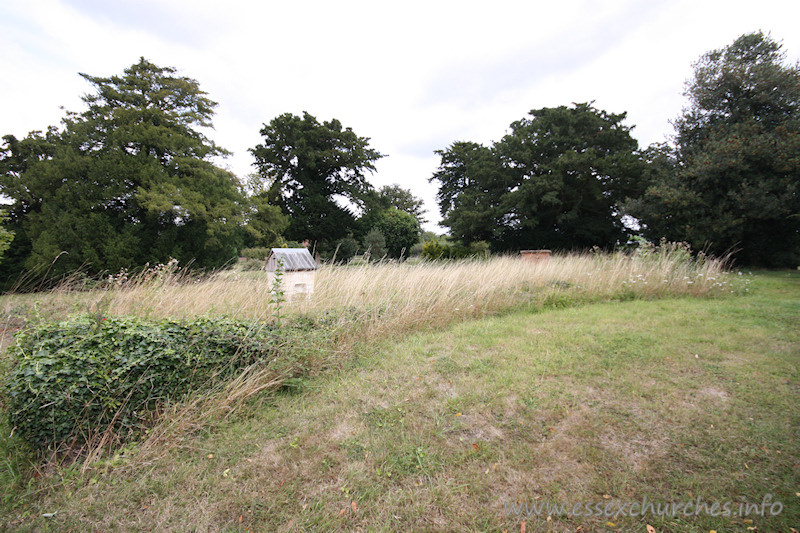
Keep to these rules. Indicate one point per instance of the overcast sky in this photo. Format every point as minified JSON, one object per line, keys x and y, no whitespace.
{"x":413,"y":76}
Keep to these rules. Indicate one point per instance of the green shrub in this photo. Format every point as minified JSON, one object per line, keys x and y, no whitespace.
{"x":400,"y":231}
{"x":256,"y":253}
{"x":479,"y":249}
{"x":74,"y":379}
{"x":249,"y":265}
{"x":433,"y":250}
{"x":347,"y":248}
{"x":375,"y":244}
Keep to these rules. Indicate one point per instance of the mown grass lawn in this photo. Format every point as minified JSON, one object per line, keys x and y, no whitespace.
{"x":605,"y":404}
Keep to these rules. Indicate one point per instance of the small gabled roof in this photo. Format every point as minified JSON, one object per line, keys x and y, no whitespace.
{"x":292,"y":258}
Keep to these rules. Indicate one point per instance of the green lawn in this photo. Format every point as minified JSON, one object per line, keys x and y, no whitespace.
{"x":455,"y":430}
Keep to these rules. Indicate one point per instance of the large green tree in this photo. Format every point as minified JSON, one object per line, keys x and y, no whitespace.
{"x":129,"y":180}
{"x":557,"y":180}
{"x":400,"y":231}
{"x":472,"y":185}
{"x":6,"y":237}
{"x":264,"y":221}
{"x":572,"y":169}
{"x":735,"y":184}
{"x":389,"y":197}
{"x":403,"y":199}
{"x":309,"y":166}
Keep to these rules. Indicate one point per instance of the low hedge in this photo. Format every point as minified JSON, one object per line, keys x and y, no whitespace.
{"x":75,"y":378}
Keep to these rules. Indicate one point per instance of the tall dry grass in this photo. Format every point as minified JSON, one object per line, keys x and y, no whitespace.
{"x":401,"y":297}
{"x":393,"y":297}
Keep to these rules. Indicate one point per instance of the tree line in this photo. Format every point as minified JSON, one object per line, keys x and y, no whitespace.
{"x":133,"y":179}
{"x":572,"y":177}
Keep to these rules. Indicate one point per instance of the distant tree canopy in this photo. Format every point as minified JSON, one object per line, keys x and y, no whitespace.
{"x":264,"y":221}
{"x":127,"y":181}
{"x":5,"y":237}
{"x":556,"y":180}
{"x":375,"y":243}
{"x":731,"y":182}
{"x":472,"y":186}
{"x":307,"y":166}
{"x":402,"y":199}
{"x":397,"y":214}
{"x":400,"y":231}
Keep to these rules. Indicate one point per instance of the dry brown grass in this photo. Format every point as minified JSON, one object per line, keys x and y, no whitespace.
{"x":392,"y":297}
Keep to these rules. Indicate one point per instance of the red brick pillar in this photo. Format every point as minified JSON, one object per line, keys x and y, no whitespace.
{"x":535,"y":256}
